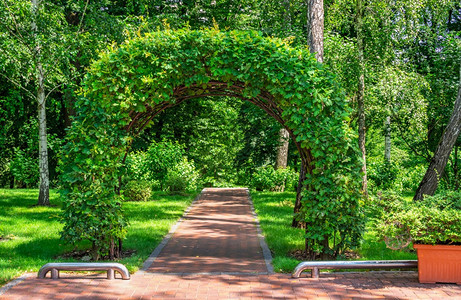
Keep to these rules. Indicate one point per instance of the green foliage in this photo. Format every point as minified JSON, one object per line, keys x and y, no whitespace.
{"x":137,"y":191}
{"x":135,"y":165}
{"x":275,"y":216}
{"x":182,"y":177}
{"x":163,"y":167}
{"x":159,"y":158}
{"x":150,"y":71}
{"x":434,"y":220}
{"x":24,"y":168}
{"x":268,"y":179}
{"x":382,"y":174}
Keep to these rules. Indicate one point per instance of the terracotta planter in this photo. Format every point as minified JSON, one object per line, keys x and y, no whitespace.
{"x":439,"y":263}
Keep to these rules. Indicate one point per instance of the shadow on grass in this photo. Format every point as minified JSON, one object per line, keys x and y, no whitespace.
{"x":36,"y":230}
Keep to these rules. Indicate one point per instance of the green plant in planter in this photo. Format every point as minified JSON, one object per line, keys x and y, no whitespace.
{"x":435,"y":220}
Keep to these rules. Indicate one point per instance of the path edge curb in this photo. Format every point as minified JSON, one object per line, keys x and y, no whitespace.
{"x":13,"y":283}
{"x":262,"y":241}
{"x":153,"y":256}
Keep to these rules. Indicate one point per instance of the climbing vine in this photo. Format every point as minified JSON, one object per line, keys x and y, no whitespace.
{"x":131,"y":83}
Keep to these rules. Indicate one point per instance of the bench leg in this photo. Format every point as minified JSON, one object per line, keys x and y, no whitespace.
{"x":315,"y":273}
{"x":54,"y":273}
{"x":110,"y":274}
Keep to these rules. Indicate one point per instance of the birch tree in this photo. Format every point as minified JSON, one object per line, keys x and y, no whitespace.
{"x":34,"y":43}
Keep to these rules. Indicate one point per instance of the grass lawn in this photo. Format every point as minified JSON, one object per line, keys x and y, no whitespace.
{"x":34,"y":231}
{"x":275,"y":213}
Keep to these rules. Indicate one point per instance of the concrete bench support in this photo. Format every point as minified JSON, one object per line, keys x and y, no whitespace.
{"x":54,"y":268}
{"x":315,"y":266}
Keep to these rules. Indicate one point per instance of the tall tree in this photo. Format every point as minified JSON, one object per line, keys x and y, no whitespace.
{"x":34,"y":45}
{"x":361,"y":94}
{"x":44,"y":194}
{"x":282,"y":150}
{"x":315,"y":27}
{"x":387,"y":139}
{"x":435,"y":170}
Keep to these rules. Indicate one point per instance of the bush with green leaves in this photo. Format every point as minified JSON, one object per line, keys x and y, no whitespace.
{"x":137,"y":190}
{"x":409,"y":177}
{"x":24,"y":168}
{"x":133,"y":82}
{"x":135,"y":167}
{"x":182,"y":177}
{"x":382,"y":174}
{"x":434,"y":220}
{"x":268,"y":179}
{"x":159,"y":159}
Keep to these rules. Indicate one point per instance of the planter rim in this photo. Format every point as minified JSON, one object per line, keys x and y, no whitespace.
{"x":441,"y":247}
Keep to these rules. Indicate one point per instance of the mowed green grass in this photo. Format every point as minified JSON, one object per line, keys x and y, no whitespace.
{"x":275,"y":214}
{"x":35,"y":231}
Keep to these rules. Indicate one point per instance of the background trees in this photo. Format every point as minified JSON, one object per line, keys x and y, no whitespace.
{"x":397,"y":61}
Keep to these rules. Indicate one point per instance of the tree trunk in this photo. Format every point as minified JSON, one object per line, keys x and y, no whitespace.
{"x":387,"y":140}
{"x":44,"y":194}
{"x":296,"y":223}
{"x":315,"y":26}
{"x":361,"y":96}
{"x":282,"y":150}
{"x":282,"y":154}
{"x":456,"y":170}
{"x":431,"y":179}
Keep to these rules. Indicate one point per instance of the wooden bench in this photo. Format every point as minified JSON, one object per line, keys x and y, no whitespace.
{"x":314,"y":266}
{"x":54,"y":268}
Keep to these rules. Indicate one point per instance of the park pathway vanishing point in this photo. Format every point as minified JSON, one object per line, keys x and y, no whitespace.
{"x":215,"y":253}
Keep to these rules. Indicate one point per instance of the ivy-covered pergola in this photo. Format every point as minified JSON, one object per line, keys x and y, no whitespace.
{"x":130,"y":84}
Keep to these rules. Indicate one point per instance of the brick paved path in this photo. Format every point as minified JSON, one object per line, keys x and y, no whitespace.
{"x":218,"y":235}
{"x":228,"y":211}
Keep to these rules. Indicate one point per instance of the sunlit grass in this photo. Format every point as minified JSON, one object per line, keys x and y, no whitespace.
{"x":275,"y":213}
{"x":33,"y":232}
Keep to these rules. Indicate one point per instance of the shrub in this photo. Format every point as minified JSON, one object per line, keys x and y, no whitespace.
{"x":137,"y":191}
{"x":268,"y":179}
{"x":182,"y":177}
{"x":409,"y":178}
{"x":24,"y":168}
{"x":154,"y":164}
{"x":135,"y":166}
{"x":382,"y":174}
{"x":434,"y":220}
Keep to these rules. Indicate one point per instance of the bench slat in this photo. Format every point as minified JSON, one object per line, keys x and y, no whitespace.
{"x":54,"y":268}
{"x":359,"y":264}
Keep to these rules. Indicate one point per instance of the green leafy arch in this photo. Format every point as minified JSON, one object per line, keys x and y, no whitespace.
{"x":129,"y":85}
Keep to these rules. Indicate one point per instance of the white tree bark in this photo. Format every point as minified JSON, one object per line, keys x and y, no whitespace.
{"x":44,"y":193}
{"x":282,"y":150}
{"x":361,"y":96}
{"x":387,"y":140}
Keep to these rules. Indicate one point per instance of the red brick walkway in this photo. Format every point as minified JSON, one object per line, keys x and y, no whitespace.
{"x":218,"y":235}
{"x":197,"y":239}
